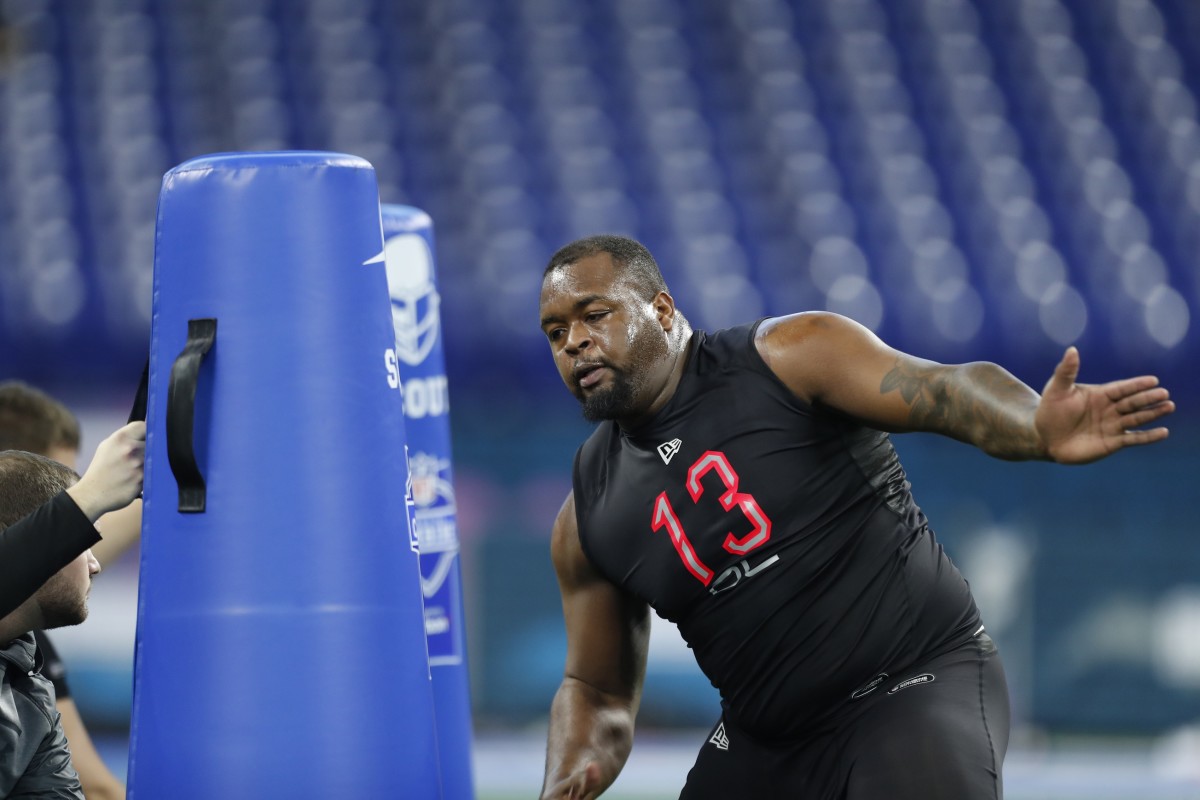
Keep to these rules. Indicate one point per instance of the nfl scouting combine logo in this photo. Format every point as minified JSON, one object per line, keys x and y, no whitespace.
{"x":415,"y":298}
{"x":434,"y":512}
{"x":434,"y":522}
{"x":428,"y":482}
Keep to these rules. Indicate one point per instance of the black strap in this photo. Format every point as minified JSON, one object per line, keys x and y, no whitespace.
{"x":138,"y":412}
{"x":181,"y":415}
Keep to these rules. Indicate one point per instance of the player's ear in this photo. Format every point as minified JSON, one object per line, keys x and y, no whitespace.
{"x":664,"y":310}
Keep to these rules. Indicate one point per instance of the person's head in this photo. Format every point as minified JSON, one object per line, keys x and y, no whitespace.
{"x":33,"y":421}
{"x":612,"y":326}
{"x":28,"y":480}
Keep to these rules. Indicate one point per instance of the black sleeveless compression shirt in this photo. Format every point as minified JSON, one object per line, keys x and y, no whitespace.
{"x":781,"y":538}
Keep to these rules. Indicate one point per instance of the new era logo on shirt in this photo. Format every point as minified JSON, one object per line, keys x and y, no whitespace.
{"x":719,"y":738}
{"x":667,"y":450}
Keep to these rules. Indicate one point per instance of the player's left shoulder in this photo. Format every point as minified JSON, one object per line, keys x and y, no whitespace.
{"x":779,"y":339}
{"x":802,"y":350}
{"x":793,"y":329}
{"x":811,"y":334}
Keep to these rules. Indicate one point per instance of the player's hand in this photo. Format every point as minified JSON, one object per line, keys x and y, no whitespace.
{"x":583,"y":785}
{"x":1079,"y":423}
{"x":114,"y":478}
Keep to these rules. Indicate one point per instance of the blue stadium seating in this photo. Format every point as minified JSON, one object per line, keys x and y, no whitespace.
{"x":972,"y":180}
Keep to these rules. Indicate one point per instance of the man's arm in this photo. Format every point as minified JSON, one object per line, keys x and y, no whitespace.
{"x":108,"y":492}
{"x":591,"y":718}
{"x":830,"y":360}
{"x":39,"y":545}
{"x":98,"y":782}
{"x":49,"y":775}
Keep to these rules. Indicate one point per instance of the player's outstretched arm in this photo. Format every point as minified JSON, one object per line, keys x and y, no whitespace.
{"x":592,"y":716}
{"x":833,"y":361}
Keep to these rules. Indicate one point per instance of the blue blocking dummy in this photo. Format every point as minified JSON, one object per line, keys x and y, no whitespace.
{"x":412,"y":283}
{"x":280,"y":643}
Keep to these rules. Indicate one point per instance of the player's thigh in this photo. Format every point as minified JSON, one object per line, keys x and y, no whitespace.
{"x":732,"y":766}
{"x":729,"y":766}
{"x":935,"y":739}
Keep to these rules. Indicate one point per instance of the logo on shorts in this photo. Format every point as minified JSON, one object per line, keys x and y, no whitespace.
{"x":869,"y":686}
{"x":667,"y":450}
{"x":719,"y":738}
{"x":926,"y":678}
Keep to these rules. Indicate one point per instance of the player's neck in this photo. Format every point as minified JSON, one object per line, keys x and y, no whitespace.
{"x":681,"y":348}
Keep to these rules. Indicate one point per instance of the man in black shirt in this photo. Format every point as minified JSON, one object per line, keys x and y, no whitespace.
{"x":33,"y":421}
{"x":55,"y":533}
{"x":743,"y":486}
{"x":34,"y":757}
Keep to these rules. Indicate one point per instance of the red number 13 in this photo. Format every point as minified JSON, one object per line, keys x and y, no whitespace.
{"x":665,"y":516}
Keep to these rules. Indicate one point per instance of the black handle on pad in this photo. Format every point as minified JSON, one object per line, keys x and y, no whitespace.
{"x":181,"y":415}
{"x":138,"y":412}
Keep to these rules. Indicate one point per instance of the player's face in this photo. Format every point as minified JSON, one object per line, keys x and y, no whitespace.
{"x":63,"y":598}
{"x":606,"y":340}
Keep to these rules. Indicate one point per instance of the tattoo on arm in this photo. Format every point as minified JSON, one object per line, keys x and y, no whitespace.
{"x":925,"y":392}
{"x":979,"y":403}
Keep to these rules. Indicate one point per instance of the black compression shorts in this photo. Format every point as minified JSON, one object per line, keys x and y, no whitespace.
{"x":937,"y":732}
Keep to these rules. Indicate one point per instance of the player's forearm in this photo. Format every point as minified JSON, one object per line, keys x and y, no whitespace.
{"x":586,"y":727}
{"x":102,"y":788}
{"x":979,"y":403}
{"x":98,"y":783}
